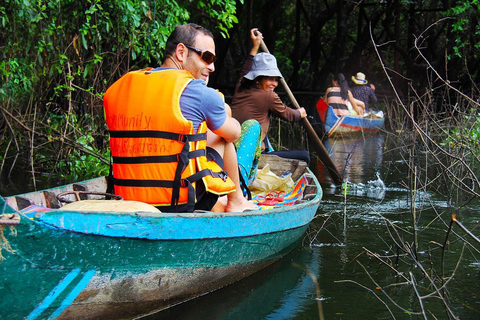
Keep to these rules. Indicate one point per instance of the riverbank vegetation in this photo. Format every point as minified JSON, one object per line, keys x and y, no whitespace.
{"x":441,"y":154}
{"x":59,"y":57}
{"x":436,"y":130}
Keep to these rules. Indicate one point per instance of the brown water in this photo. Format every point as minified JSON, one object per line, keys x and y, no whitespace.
{"x":352,"y":284}
{"x":375,"y":214}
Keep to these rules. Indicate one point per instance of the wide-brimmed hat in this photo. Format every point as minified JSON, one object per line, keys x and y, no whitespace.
{"x":359,"y":78}
{"x":264,"y":64}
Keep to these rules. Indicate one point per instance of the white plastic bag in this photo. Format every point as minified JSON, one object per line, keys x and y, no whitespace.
{"x":267,"y":181}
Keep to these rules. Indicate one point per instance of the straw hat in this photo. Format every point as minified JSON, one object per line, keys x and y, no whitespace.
{"x":264,"y":64}
{"x":359,"y":79}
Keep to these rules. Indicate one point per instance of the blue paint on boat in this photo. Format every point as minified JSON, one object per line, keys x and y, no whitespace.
{"x":140,"y":261}
{"x":53,"y":295}
{"x":177,"y":226}
{"x":73,"y":294}
{"x":351,"y":124}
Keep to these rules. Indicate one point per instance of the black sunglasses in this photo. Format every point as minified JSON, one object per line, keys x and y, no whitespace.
{"x":206,"y":55}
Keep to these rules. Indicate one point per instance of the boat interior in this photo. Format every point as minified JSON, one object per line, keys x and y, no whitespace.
{"x":95,"y":189}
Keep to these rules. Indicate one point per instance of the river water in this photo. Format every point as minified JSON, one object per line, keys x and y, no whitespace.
{"x":334,"y":274}
{"x":362,"y":257}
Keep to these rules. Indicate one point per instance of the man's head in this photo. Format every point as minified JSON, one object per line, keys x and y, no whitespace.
{"x":359,"y":79}
{"x":191,"y":47}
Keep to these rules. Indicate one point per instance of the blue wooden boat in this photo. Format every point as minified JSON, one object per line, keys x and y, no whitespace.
{"x":107,"y":259}
{"x":334,"y":125}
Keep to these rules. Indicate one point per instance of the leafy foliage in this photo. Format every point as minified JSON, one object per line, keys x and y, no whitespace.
{"x":59,"y":56}
{"x":57,"y":59}
{"x":222,"y":11}
{"x":466,"y":28}
{"x":466,"y":135}
{"x":84,"y":157}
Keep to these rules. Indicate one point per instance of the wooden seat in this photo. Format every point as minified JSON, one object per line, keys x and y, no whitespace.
{"x":109,"y":206}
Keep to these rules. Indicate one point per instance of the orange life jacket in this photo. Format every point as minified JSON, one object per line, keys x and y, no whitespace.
{"x":157,"y":156}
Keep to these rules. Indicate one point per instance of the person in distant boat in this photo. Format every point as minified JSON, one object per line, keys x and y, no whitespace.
{"x":339,"y":96}
{"x":361,"y":91}
{"x":158,"y":120}
{"x":256,"y":99}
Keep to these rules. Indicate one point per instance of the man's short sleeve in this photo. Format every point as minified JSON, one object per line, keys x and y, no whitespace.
{"x":199,"y":102}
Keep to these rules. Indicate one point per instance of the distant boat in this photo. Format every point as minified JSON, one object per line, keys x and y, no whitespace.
{"x":115,"y":259}
{"x":333,"y":124}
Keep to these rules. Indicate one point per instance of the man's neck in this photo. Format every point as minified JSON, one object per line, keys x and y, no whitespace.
{"x":170,"y":62}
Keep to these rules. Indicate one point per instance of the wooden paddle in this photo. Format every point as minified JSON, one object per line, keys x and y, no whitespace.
{"x":319,"y":147}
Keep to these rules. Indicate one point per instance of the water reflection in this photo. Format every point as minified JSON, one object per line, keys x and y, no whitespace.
{"x":341,"y":231}
{"x":279,"y":291}
{"x":359,"y":160}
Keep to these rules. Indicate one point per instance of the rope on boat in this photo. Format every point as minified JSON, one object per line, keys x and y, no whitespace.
{"x":7,"y":220}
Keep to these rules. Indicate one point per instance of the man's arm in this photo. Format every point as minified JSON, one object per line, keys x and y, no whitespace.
{"x":215,"y":111}
{"x":230,"y":130}
{"x":372,"y":93}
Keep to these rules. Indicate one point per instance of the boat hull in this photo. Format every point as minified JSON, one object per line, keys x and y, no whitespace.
{"x":116,"y":278}
{"x":72,"y":264}
{"x":351,"y":124}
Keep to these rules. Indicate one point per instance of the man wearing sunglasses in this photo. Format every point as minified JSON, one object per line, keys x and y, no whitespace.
{"x":158,"y":120}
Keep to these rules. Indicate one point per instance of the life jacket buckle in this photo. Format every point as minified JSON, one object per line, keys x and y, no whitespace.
{"x":223,"y":175}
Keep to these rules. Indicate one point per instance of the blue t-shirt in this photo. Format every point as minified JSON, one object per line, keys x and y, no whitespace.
{"x":199,"y":102}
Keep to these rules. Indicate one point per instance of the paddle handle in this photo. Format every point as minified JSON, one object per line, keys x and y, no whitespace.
{"x":322,"y":152}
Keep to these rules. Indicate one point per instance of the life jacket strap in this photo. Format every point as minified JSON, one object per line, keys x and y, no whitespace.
{"x":205,"y":172}
{"x":157,"y":134}
{"x":157,"y":159}
{"x":181,"y":158}
{"x":143,"y":183}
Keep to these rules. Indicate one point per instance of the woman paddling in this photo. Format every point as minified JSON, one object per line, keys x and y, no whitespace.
{"x":256,"y":99}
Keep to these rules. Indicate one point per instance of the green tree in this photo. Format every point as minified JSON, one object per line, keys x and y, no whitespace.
{"x":59,"y":56}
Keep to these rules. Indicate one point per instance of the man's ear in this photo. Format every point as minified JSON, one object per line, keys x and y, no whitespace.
{"x":181,"y":52}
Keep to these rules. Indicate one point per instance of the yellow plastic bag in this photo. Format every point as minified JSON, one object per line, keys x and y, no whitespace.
{"x":350,"y":108}
{"x":267,"y":181}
